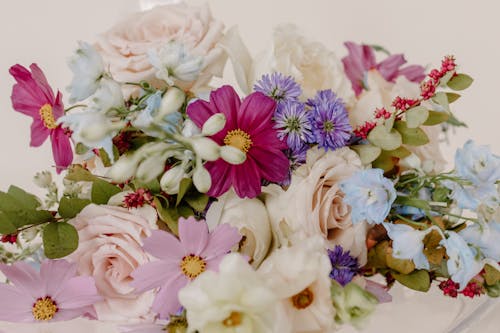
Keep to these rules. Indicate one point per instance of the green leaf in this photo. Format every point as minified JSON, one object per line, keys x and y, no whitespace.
{"x":389,"y":123}
{"x":452,"y":97}
{"x":69,"y":208}
{"x":81,"y":149}
{"x":77,"y":173}
{"x":367,"y":153}
{"x":153,"y":185}
{"x":387,"y":140}
{"x":385,"y":162}
{"x":492,"y":276}
{"x":460,"y":82}
{"x":411,"y":136}
{"x":102,"y":191}
{"x":184,"y":186}
{"x":7,"y":227}
{"x":167,"y":214}
{"x":444,"y":80}
{"x":106,"y":161}
{"x":494,"y":290}
{"x":27,"y":200}
{"x":401,"y":152}
{"x":59,"y":239}
{"x":441,"y":99}
{"x":377,"y":256}
{"x":418,"y":280}
{"x":413,"y":202}
{"x":19,"y":214}
{"x":403,"y":266}
{"x":436,"y":117}
{"x":416,"y":116}
{"x":452,"y":120}
{"x":197,"y":201}
{"x":185,"y":211}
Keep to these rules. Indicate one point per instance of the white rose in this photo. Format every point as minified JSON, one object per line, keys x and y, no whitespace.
{"x":251,"y":219}
{"x":313,"y":204}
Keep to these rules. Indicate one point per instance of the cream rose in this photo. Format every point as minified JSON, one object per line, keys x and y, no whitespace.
{"x":125,"y":47}
{"x":314,"y":203}
{"x":251,"y":219}
{"x":110,"y":248}
{"x":380,"y":94}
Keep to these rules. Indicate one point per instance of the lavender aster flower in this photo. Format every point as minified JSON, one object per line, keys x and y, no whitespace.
{"x":329,"y":120}
{"x":344,"y":267}
{"x":293,"y":124}
{"x":297,"y":158}
{"x":279,"y":87}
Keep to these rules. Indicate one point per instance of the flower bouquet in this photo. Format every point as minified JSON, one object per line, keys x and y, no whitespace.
{"x":292,"y":202}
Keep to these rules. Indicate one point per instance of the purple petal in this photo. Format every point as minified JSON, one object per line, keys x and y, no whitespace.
{"x":414,"y":73}
{"x":255,"y":113}
{"x":246,"y":178}
{"x":41,"y":81}
{"x":153,"y":274}
{"x":167,"y":299}
{"x":193,"y":235}
{"x":389,"y":67}
{"x":55,"y":274}
{"x":226,"y":100}
{"x":15,"y":304}
{"x":378,"y":291}
{"x":61,"y":149}
{"x":272,"y":163}
{"x":27,"y":97}
{"x":78,"y":292}
{"x":164,"y":245}
{"x":39,"y":133}
{"x":24,"y":277}
{"x":222,"y":239}
{"x":220,"y":172}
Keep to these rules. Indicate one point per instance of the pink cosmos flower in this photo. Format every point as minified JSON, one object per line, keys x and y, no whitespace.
{"x":33,"y":96}
{"x":249,"y":128}
{"x":361,"y":59}
{"x":54,"y":293}
{"x":181,"y":261}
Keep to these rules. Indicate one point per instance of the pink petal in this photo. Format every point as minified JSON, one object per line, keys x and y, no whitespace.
{"x":27,"y":96}
{"x":39,"y":133}
{"x":167,"y":302}
{"x":389,"y":67}
{"x":272,"y":164}
{"x":77,"y":293}
{"x":61,"y":149}
{"x":221,"y":240}
{"x":55,"y":273}
{"x":360,"y":59}
{"x":256,"y":112}
{"x":68,"y":314}
{"x":193,"y":235}
{"x":153,"y":275}
{"x":226,"y":100}
{"x":213,"y":264}
{"x":58,"y":106}
{"x":15,"y":304}
{"x":220,"y":172}
{"x":378,"y":291}
{"x":414,"y":73}
{"x":164,"y":245}
{"x":268,"y":139}
{"x":246,"y":179}
{"x":42,"y":83}
{"x":24,"y":277}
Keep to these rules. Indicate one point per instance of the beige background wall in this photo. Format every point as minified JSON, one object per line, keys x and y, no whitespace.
{"x":46,"y":32}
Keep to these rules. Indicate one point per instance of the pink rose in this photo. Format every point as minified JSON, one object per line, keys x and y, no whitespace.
{"x":125,"y":46}
{"x":110,"y":249}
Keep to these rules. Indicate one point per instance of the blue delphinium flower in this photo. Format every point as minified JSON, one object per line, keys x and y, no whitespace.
{"x":344,"y":266}
{"x":370,"y":195}
{"x":279,"y":87}
{"x":292,"y":122}
{"x":329,"y":120}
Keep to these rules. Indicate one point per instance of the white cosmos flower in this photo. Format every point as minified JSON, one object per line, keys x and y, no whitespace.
{"x":235,"y":299}
{"x":300,"y":277}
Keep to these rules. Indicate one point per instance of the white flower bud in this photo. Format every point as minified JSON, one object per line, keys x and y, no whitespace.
{"x":190,"y":129}
{"x":201,"y":179}
{"x":214,"y":124}
{"x":123,"y":169}
{"x":411,"y":162}
{"x":171,"y":102}
{"x":98,"y":131}
{"x":43,"y":179}
{"x":171,"y":179}
{"x":232,"y":155}
{"x":206,"y":148}
{"x":151,"y":168}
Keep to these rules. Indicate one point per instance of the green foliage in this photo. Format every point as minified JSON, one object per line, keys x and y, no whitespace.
{"x":417,"y":280}
{"x":491,"y":275}
{"x":442,"y":99}
{"x":411,"y":136}
{"x":102,"y":191}
{"x":416,"y":116}
{"x":436,"y":117}
{"x":59,"y":239}
{"x":387,"y":140}
{"x":367,"y":153}
{"x":77,"y":173}
{"x":460,"y":82}
{"x":70,"y":207}
{"x":452,"y":97}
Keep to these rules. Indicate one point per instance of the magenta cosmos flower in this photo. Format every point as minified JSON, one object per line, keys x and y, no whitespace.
{"x":54,"y":293}
{"x":33,"y":96}
{"x":181,"y":261}
{"x":361,"y":59}
{"x":249,"y":127}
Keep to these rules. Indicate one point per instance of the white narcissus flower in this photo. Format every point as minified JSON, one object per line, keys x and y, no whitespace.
{"x":251,"y":219}
{"x":235,"y":299}
{"x":300,"y":277}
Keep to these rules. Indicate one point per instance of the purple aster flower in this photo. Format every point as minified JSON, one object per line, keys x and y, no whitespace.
{"x":297,"y":158}
{"x":279,"y":87}
{"x":329,"y":120}
{"x":292,"y":122}
{"x":344,"y":267}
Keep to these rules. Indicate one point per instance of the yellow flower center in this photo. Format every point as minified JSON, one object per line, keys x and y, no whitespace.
{"x":303,"y":299}
{"x":238,"y":139}
{"x":234,"y":319}
{"x":47,"y":116}
{"x":44,"y":309}
{"x":192,"y":266}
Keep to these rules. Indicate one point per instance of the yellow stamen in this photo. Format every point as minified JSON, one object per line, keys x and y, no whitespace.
{"x":303,"y":299}
{"x":234,"y":319}
{"x":44,"y":309}
{"x":47,"y":116}
{"x":192,"y":266}
{"x":238,"y":139}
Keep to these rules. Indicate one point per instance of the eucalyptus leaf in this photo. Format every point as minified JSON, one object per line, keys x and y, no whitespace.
{"x":387,"y":140}
{"x":70,"y":207}
{"x":417,"y":280}
{"x":403,"y":266}
{"x":436,"y":117}
{"x":197,"y":201}
{"x":416,"y":116}
{"x":413,"y":202}
{"x":400,"y":152}
{"x":452,"y":97}
{"x":452,"y":120}
{"x":444,"y":80}
{"x":411,"y":136}
{"x":102,"y":191}
{"x":441,"y":99}
{"x":389,"y":123}
{"x":367,"y":153}
{"x":167,"y":214}
{"x":460,"y":82}
{"x":184,"y":186}
{"x":59,"y":239}
{"x":492,"y":275}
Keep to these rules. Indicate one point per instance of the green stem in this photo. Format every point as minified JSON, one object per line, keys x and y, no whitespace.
{"x":75,"y":106}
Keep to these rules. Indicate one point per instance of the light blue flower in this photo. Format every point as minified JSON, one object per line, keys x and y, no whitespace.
{"x":477,"y":164}
{"x":370,"y":195}
{"x":471,"y":196}
{"x":407,"y":243}
{"x":148,"y":122}
{"x":463,"y":261}
{"x":88,"y":69}
{"x":485,"y":236}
